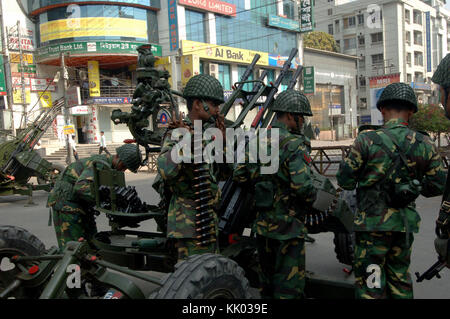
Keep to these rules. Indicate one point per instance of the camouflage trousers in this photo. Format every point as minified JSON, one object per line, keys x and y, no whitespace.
{"x":187,"y":247}
{"x":70,"y":226}
{"x":282,"y":265}
{"x":382,"y":265}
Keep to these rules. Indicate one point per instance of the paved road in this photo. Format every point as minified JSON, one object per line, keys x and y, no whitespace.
{"x":320,"y":257}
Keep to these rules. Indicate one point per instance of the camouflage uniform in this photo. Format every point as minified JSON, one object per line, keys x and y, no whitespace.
{"x":384,"y":233}
{"x":72,"y":198}
{"x":178,"y":180}
{"x":280,"y":231}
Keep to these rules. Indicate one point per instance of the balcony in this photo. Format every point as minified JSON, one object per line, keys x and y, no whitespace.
{"x":111,"y":91}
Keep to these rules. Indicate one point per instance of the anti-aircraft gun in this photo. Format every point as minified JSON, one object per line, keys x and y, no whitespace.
{"x":129,"y":252}
{"x":19,"y":162}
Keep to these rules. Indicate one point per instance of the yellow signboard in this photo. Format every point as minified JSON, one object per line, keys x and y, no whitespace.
{"x":221,"y":53}
{"x":17,"y":96}
{"x":69,"y":129}
{"x":94,"y":78}
{"x":190,"y":66}
{"x":93,"y":27}
{"x":15,"y":58}
{"x":164,"y":64}
{"x":46,"y":99}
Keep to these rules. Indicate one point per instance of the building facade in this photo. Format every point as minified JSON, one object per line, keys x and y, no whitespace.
{"x":396,"y":41}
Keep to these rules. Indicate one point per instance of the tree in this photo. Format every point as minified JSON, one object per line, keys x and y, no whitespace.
{"x":430,"y":118}
{"x":320,"y":40}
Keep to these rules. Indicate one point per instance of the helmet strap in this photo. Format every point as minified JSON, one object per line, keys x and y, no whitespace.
{"x":297,"y":123}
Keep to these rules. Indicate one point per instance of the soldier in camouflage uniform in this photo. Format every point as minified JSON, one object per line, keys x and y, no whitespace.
{"x":72,"y":198}
{"x":442,"y":78}
{"x":386,"y":190}
{"x":203,"y":94}
{"x":280,"y":200}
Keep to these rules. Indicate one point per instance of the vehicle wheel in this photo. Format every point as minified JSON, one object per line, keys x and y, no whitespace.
{"x":344,"y":246}
{"x":205,"y":276}
{"x":16,"y":241}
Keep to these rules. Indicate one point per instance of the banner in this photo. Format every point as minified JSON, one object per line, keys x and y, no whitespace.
{"x":222,"y":53}
{"x":383,"y":80}
{"x":75,"y":48}
{"x":42,"y":85}
{"x":215,"y":6}
{"x":17,"y":96}
{"x":283,"y":23}
{"x":306,"y":16}
{"x":173,"y":25}
{"x":309,"y":84}
{"x":94,"y":78}
{"x":15,"y":58}
{"x":46,"y":99}
{"x":2,"y":77}
{"x":69,"y":129}
{"x":190,"y":66}
{"x":93,"y":27}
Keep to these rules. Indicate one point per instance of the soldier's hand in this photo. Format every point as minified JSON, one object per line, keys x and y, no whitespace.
{"x":220,"y":124}
{"x":177,"y":123}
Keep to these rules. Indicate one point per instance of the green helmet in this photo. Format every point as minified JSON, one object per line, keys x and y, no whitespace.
{"x":442,"y":74}
{"x":398,"y":92}
{"x":204,"y":86}
{"x":130,"y":155}
{"x":292,"y":101}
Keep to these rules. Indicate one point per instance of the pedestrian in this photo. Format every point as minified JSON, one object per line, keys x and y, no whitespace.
{"x":72,"y":198}
{"x":73,"y":145}
{"x":192,"y":216}
{"x":281,"y":199}
{"x":317,"y":132}
{"x":442,"y":78}
{"x":389,"y":167}
{"x":102,"y":145}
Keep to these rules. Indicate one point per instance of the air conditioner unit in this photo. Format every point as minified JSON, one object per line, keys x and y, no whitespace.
{"x":214,"y":70}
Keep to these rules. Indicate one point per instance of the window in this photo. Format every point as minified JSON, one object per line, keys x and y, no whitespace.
{"x":418,"y":58}
{"x":417,"y":17}
{"x":285,"y":81}
{"x":377,"y":38}
{"x":361,"y":41}
{"x":195,"y":26}
{"x":407,"y":15}
{"x":337,"y":26}
{"x":330,"y":12}
{"x":338,"y":44}
{"x":330,"y":29}
{"x":362,"y":81}
{"x":360,"y":19}
{"x":408,"y":59}
{"x":224,"y":76}
{"x":241,"y":70}
{"x":377,"y":58}
{"x":408,"y":37}
{"x":418,"y":77}
{"x":418,"y":38}
{"x":350,"y":44}
{"x":288,"y":9}
{"x":349,"y":22}
{"x":362,"y":62}
{"x":408,"y":78}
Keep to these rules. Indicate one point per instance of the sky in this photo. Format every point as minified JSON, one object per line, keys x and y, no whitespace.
{"x":447,"y":5}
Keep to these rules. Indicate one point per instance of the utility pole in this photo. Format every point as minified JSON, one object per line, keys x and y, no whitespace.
{"x":351,"y":109}
{"x":330,"y":108}
{"x":22,"y":78}
{"x":65,"y":107}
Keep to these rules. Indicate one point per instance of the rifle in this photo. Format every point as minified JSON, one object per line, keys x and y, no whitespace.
{"x":232,"y":215}
{"x":431,"y":272}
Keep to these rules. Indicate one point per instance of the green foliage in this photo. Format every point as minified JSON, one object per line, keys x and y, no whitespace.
{"x":320,"y":40}
{"x":430,"y":118}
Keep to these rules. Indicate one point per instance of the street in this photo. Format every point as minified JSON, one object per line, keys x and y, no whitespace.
{"x":320,"y":256}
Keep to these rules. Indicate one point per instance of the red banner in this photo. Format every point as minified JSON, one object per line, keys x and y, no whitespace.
{"x":219,"y":7}
{"x":384,"y":80}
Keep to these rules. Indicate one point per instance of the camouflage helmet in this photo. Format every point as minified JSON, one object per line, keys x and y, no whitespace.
{"x":204,"y":86}
{"x":442,"y":74}
{"x":292,"y":101}
{"x":400,"y":93}
{"x":130,"y":155}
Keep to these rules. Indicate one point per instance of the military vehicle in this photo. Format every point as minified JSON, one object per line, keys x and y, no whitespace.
{"x":112,"y":264}
{"x":19,"y":162}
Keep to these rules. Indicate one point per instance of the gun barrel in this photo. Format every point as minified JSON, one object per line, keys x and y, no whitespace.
{"x":431,"y":272}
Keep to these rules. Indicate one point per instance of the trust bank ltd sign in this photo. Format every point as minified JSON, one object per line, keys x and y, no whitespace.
{"x":215,"y":6}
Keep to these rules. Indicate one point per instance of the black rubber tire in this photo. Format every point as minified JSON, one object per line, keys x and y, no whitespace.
{"x":205,"y":276}
{"x":17,"y":241}
{"x":344,"y":247}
